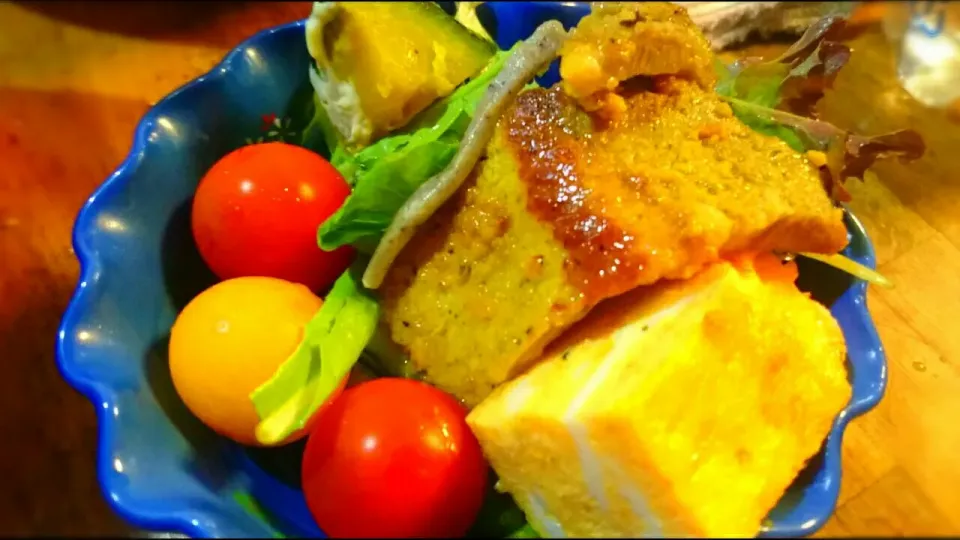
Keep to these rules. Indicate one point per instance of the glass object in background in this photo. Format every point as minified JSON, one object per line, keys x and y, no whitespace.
{"x":926,"y":38}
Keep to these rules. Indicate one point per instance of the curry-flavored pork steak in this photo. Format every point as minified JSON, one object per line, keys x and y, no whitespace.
{"x":569,"y":208}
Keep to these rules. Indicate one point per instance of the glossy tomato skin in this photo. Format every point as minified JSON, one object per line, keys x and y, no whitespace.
{"x":394,"y":458}
{"x":230,"y":339}
{"x":257,"y":210}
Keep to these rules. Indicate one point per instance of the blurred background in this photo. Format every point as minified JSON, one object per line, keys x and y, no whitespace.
{"x":76,"y":76}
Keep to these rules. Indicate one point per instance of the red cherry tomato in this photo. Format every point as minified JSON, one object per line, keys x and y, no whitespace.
{"x":394,"y":458}
{"x":257,"y":210}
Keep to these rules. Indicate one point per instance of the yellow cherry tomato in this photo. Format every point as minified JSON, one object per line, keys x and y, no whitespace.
{"x":229,"y":340}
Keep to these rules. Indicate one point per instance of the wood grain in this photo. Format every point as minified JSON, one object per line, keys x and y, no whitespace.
{"x":74,"y":79}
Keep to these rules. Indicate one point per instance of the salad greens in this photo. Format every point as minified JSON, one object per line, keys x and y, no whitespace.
{"x":771,"y":97}
{"x":779,"y":98}
{"x":385,"y":174}
{"x":526,"y":531}
{"x":332,"y":342}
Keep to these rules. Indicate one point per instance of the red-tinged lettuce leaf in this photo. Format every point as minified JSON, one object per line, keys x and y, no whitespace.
{"x":847,"y":155}
{"x":826,"y":29}
{"x":779,"y":97}
{"x":797,"y":79}
{"x":807,"y":82}
{"x":857,"y":153}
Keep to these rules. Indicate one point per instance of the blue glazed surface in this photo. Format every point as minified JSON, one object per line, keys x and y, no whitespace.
{"x":158,"y":466}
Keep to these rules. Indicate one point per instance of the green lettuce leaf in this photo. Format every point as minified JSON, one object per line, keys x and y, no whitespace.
{"x":368,"y":211}
{"x":383,"y":176}
{"x":797,"y":79}
{"x":779,"y":98}
{"x":386,"y":173}
{"x":846,"y":155}
{"x":524,"y":532}
{"x":332,"y":342}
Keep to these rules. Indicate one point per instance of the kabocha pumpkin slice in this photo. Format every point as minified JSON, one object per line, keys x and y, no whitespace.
{"x":378,"y":64}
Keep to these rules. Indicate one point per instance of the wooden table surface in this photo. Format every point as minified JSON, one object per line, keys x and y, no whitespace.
{"x":76,"y":76}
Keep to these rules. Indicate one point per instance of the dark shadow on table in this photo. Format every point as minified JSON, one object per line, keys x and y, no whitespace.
{"x":218,"y":24}
{"x":49,"y":430}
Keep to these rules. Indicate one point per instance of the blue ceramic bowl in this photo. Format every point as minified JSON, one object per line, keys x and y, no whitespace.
{"x":158,"y":466}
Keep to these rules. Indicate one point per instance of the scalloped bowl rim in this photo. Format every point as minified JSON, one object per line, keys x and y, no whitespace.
{"x":188,"y":521}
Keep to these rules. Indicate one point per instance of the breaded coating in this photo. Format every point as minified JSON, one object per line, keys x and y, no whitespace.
{"x":674,"y":184}
{"x":618,"y":41}
{"x":482,"y":287}
{"x":566,"y":211}
{"x":571,"y":207}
